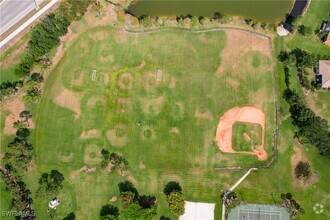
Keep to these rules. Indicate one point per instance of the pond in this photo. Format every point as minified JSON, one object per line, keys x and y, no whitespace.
{"x":272,"y":11}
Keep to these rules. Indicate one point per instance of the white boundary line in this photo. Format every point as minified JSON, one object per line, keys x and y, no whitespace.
{"x":270,"y":213}
{"x":27,"y":23}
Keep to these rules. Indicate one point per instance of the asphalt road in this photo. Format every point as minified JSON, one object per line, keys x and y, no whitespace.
{"x":12,"y":11}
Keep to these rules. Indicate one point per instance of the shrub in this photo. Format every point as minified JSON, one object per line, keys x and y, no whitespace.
{"x":302,"y":170}
{"x":176,"y":203}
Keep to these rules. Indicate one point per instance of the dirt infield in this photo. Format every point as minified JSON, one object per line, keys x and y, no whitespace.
{"x":225,"y":129}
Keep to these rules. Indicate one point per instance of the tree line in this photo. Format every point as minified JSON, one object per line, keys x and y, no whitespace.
{"x":136,"y":206}
{"x":16,"y":161}
{"x":302,"y":60}
{"x":312,"y":129}
{"x":45,"y":36}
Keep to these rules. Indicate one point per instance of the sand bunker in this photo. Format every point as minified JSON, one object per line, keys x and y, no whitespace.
{"x":225,"y":129}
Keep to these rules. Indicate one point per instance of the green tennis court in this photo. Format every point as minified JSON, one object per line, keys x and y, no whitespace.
{"x":259,"y":212}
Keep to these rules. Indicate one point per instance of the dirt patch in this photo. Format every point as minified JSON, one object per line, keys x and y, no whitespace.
{"x":141,"y":165}
{"x":106,"y":79}
{"x":205,"y":114}
{"x":103,"y":16}
{"x":94,"y":101}
{"x":139,"y":67}
{"x":92,"y":155}
{"x":233,"y":83}
{"x":175,"y":130}
{"x":14,"y":106}
{"x":124,"y":105}
{"x":133,"y":180}
{"x":70,"y":100}
{"x":118,"y":136}
{"x":90,"y":134}
{"x":66,"y":158}
{"x":106,"y":58}
{"x":172,"y":83}
{"x":239,"y":43}
{"x":125,"y":81}
{"x":68,"y":38}
{"x":150,"y":82}
{"x":74,"y":175}
{"x":295,"y":158}
{"x":121,"y":36}
{"x":98,"y":35}
{"x":240,"y":114}
{"x":153,"y":106}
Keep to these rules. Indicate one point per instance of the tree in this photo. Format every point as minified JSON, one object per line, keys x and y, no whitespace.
{"x":25,"y":116}
{"x":176,"y":203}
{"x":126,"y":199}
{"x":51,"y":183}
{"x":164,"y":218}
{"x":127,"y":186}
{"x":32,"y":95}
{"x":23,"y":133}
{"x":70,"y":216}
{"x":302,"y":170}
{"x":135,"y":211}
{"x":171,"y":187}
{"x":37,"y":77}
{"x":294,"y":207}
{"x":146,"y":202}
{"x":109,"y":212}
{"x":305,"y":30}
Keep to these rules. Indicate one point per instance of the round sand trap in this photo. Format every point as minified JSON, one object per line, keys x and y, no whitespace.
{"x":241,"y":114}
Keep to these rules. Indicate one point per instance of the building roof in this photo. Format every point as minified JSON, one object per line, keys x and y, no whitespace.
{"x":324,"y":70}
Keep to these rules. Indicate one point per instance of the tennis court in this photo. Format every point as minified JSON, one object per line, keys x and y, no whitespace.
{"x":259,"y":212}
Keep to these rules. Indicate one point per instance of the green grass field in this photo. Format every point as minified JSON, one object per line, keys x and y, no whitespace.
{"x":254,"y":132}
{"x":178,"y":115}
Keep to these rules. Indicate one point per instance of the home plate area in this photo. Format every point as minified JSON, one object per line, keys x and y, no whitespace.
{"x":198,"y":211}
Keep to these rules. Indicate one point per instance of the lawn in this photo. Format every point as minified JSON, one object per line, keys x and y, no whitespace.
{"x":246,"y":136}
{"x":166,"y":129}
{"x":163,"y":122}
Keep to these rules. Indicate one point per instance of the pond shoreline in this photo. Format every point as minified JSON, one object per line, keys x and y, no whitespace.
{"x":299,"y":8}
{"x":262,"y":11}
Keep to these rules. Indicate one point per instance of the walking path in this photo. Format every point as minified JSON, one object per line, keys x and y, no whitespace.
{"x":232,"y":188}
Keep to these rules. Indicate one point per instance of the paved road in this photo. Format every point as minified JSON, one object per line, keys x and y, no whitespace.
{"x":12,"y":11}
{"x":27,"y":23}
